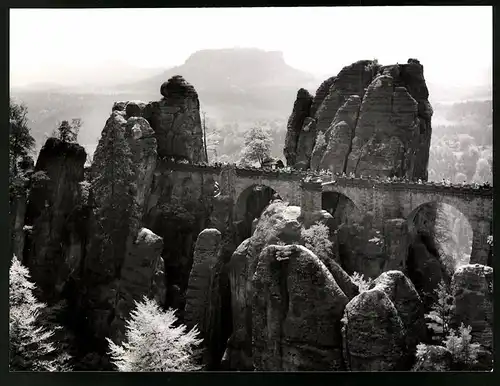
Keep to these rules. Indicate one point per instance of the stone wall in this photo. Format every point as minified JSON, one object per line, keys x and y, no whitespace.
{"x":383,"y":199}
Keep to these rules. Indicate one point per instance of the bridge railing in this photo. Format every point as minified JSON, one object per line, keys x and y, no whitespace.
{"x":290,"y":174}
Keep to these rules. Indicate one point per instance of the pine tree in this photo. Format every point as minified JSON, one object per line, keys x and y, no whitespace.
{"x":458,"y":344}
{"x":463,"y":351}
{"x":362,"y":282}
{"x":30,"y":344}
{"x":21,"y":143}
{"x":153,"y":343}
{"x":68,"y":132}
{"x":441,"y":314}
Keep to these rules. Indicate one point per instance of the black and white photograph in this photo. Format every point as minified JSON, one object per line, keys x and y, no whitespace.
{"x":251,"y":189}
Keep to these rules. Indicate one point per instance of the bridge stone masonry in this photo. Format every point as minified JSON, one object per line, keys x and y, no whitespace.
{"x":385,"y":199}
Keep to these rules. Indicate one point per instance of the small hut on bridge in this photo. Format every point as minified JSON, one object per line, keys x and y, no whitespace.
{"x":273,"y":163}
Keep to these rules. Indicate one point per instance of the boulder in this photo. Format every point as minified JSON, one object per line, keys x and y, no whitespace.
{"x":373,"y":333}
{"x":135,"y":108}
{"x":401,"y":291}
{"x":296,"y":311}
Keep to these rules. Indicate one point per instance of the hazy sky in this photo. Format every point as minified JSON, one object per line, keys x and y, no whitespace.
{"x":453,"y":43}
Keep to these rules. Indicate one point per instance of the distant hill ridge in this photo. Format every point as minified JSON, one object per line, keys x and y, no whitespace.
{"x":245,"y":68}
{"x":234,"y":85}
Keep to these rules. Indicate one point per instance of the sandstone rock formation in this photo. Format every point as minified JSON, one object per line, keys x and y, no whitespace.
{"x":425,"y":267}
{"x":300,"y":112}
{"x":207,"y":297}
{"x":238,"y":355}
{"x":333,"y":146}
{"x":173,"y":205}
{"x":176,"y":121}
{"x":269,"y":303}
{"x":363,"y":247}
{"x":472,"y":287}
{"x":280,"y":223}
{"x":296,"y":312}
{"x":113,"y":277}
{"x":397,"y":239}
{"x":55,"y":244}
{"x":343,"y":280}
{"x":142,"y":143}
{"x":198,"y":292}
{"x":178,"y":209}
{"x":17,"y":230}
{"x":137,"y":278}
{"x":373,"y":333}
{"x":400,"y":290}
{"x":368,"y":120}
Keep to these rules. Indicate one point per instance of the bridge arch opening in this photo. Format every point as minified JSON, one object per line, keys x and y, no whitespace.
{"x":250,"y":205}
{"x":440,"y":242}
{"x":341,"y":207}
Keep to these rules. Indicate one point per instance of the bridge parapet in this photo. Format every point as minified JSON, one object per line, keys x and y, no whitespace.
{"x":287,"y":174}
{"x":428,"y":187}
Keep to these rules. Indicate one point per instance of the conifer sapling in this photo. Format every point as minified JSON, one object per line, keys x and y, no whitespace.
{"x":154,"y":342}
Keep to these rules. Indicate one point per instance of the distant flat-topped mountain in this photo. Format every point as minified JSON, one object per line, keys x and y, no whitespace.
{"x":242,"y":69}
{"x":234,"y":85}
{"x":238,"y":84}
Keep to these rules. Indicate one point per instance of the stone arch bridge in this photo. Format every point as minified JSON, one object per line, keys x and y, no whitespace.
{"x":384,"y":199}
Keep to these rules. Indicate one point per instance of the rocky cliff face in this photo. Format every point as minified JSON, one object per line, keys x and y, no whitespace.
{"x":373,"y":333}
{"x":368,"y":120}
{"x":282,"y":224}
{"x":178,"y":209}
{"x":175,"y":205}
{"x":64,"y":247}
{"x":117,"y":274}
{"x":296,"y":310}
{"x":56,"y":224}
{"x":472,"y":288}
{"x":300,"y":112}
{"x":176,"y":121}
{"x":269,"y":303}
{"x":142,"y":263}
